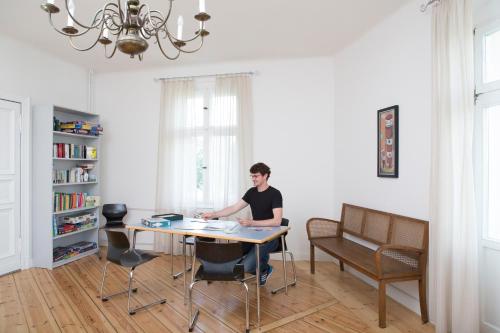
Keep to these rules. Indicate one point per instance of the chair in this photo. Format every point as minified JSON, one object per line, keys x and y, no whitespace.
{"x":219,"y":262}
{"x":189,"y":242}
{"x":114,"y":214}
{"x":119,"y":253}
{"x":284,"y":223}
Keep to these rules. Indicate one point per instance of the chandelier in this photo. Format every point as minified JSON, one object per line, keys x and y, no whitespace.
{"x":131,"y":26}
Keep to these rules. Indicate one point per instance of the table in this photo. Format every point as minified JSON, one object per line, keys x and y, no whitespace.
{"x":255,"y":235}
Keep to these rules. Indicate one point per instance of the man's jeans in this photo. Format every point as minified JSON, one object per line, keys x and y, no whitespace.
{"x":249,"y":255}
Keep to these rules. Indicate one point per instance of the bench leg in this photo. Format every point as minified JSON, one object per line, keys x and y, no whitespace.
{"x":341,"y":265}
{"x":381,"y":304}
{"x":423,"y":300}
{"x":311,"y":259}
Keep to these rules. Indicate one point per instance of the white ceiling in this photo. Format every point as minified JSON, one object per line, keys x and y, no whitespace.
{"x":240,"y":30}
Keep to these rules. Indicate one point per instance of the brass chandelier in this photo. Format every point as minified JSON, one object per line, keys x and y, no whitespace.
{"x":132,"y":25}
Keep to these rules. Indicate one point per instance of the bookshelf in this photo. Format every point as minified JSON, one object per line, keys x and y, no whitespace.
{"x":46,"y":237}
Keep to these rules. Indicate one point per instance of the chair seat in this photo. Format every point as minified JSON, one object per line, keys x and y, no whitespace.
{"x":220,"y":274}
{"x":134,"y":258}
{"x":358,"y":256}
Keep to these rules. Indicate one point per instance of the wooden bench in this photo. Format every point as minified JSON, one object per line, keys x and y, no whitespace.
{"x":401,"y":254}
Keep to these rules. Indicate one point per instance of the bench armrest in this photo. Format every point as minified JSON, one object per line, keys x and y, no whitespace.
{"x":411,"y":257}
{"x":322,"y":228}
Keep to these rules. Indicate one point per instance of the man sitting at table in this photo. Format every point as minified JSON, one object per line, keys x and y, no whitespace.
{"x":266,"y":204}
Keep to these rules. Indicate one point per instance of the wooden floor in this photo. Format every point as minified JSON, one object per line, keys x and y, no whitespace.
{"x":65,"y":300}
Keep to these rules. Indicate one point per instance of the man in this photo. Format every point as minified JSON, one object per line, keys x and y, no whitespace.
{"x":266,"y":204}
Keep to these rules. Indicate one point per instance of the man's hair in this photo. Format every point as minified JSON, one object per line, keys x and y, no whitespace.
{"x":261,"y":168}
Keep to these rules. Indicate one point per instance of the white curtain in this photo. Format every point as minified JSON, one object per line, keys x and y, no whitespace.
{"x":230,"y":143}
{"x":223,"y":132}
{"x":177,"y":146}
{"x":453,"y":262}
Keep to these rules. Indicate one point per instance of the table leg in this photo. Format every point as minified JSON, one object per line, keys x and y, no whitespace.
{"x":257,"y":281}
{"x":194,"y":260}
{"x":283,"y":254}
{"x":185,"y":266}
{"x":133,"y":239}
{"x":172,"y":255}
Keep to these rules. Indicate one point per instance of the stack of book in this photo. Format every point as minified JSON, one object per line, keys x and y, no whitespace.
{"x":65,"y":201}
{"x":66,"y":252}
{"x":67,"y":224}
{"x":69,"y":150}
{"x":78,"y":127}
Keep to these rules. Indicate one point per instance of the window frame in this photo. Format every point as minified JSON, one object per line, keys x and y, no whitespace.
{"x":479,"y":45}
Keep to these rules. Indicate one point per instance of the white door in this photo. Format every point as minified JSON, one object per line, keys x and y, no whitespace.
{"x":487,"y":45}
{"x":10,"y":205}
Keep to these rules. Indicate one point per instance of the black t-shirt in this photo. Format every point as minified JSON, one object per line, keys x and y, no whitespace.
{"x":263,"y":203}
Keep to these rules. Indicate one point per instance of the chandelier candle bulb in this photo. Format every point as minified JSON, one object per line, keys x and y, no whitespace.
{"x":71,"y":9}
{"x":180,"y":23}
{"x":202,"y":6}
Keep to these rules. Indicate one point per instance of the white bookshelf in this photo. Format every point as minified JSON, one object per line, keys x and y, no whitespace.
{"x":44,"y":136}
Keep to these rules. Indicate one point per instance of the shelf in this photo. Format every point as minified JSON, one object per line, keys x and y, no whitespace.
{"x":71,"y":184}
{"x":73,"y":135}
{"x":75,"y":232}
{"x":67,"y":261}
{"x":74,"y":210}
{"x":74,"y":159}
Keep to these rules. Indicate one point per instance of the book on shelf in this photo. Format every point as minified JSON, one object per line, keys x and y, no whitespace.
{"x":68,"y":224}
{"x":66,"y":252}
{"x":70,"y":150}
{"x":78,"y":127}
{"x":73,"y":175}
{"x":66,"y":201}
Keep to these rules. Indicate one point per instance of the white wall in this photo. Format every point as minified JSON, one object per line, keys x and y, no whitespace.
{"x":293,"y":133}
{"x":28,"y":72}
{"x":389,"y":65}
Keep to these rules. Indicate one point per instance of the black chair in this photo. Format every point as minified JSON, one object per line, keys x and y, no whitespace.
{"x":190,"y":243}
{"x":120,"y":253}
{"x":114,"y":214}
{"x":284,"y":223}
{"x":219,"y":262}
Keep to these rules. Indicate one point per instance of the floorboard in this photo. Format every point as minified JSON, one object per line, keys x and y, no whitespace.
{"x":66,"y":299}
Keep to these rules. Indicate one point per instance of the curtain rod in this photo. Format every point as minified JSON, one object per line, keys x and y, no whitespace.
{"x":429,"y":3}
{"x":200,"y":76}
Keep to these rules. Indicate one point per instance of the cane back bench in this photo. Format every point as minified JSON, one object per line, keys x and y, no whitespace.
{"x":401,"y":255}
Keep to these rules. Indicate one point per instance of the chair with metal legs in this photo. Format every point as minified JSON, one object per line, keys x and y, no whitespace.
{"x":219,"y":262}
{"x":283,"y":249}
{"x":190,"y":243}
{"x":120,"y":253}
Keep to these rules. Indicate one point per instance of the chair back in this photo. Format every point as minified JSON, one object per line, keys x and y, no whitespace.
{"x":117,"y":245}
{"x":220,"y":260}
{"x":284,"y":223}
{"x":114,"y":214}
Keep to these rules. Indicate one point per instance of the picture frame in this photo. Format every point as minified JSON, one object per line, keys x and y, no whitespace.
{"x":388,"y":142}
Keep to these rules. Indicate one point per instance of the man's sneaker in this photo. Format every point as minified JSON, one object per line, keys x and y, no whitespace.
{"x":266,"y":275}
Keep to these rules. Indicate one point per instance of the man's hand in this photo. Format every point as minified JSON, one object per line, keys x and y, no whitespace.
{"x":208,"y":216}
{"x":245,"y":222}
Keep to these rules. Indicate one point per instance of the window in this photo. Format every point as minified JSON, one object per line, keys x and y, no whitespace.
{"x":487,"y":45}
{"x":216,"y":139}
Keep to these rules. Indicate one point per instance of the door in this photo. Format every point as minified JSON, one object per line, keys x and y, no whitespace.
{"x":487,"y":137}
{"x":10,"y":205}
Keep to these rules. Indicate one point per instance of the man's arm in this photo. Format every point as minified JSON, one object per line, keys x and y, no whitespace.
{"x":226,"y":211}
{"x":274,"y":222}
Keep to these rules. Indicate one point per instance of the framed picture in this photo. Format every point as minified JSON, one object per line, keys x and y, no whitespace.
{"x":387,"y":142}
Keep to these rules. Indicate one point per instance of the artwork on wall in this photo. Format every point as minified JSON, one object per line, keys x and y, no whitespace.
{"x":387,"y":138}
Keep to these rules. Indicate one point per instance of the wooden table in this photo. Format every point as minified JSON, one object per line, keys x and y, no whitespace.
{"x":254,"y":235}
